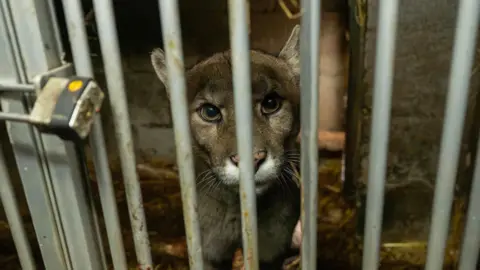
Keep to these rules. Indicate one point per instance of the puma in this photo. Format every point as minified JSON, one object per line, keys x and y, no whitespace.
{"x":276,"y":125}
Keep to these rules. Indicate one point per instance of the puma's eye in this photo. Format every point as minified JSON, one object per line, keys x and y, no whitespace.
{"x":210,"y":113}
{"x":271,"y":103}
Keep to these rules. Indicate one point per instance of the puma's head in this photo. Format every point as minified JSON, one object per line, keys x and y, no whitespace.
{"x":275,"y":111}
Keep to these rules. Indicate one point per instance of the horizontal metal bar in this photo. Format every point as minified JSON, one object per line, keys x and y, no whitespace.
{"x":239,"y":43}
{"x":12,"y":211}
{"x":83,"y":67}
{"x":471,"y":235}
{"x":382,"y":98}
{"x":171,"y":31}
{"x":309,"y":65}
{"x":117,"y":94}
{"x":9,"y":87}
{"x":16,"y":87}
{"x":60,"y":71}
{"x":15,"y":117}
{"x":457,"y":98}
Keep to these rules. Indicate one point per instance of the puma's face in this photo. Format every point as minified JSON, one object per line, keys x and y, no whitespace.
{"x":275,"y":112}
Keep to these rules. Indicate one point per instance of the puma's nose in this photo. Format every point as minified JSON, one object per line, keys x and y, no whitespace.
{"x":235,"y":159}
{"x":258,"y":158}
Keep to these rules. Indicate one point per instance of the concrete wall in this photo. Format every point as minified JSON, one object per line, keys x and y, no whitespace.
{"x":422,"y":64}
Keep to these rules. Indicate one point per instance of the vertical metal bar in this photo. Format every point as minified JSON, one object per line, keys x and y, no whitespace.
{"x":382,"y":95}
{"x":172,"y":40}
{"x":309,"y":64}
{"x":116,"y":88}
{"x":462,"y":61}
{"x":240,"y":45}
{"x":77,"y":214}
{"x":471,"y":235}
{"x":40,"y":27}
{"x":55,"y":28}
{"x":12,"y":211}
{"x":30,"y":162}
{"x":83,"y":66}
{"x":16,"y":69}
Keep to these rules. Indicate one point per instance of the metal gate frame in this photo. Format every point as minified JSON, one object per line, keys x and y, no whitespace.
{"x":52,"y":176}
{"x":54,"y":179}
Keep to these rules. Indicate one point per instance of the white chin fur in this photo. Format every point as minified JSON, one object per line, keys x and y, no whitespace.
{"x":267,"y":171}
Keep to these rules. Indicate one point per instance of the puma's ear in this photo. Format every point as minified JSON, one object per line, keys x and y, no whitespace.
{"x":291,"y":50}
{"x":158,"y":62}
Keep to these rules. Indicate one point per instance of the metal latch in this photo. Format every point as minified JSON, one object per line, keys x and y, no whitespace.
{"x":65,"y":107}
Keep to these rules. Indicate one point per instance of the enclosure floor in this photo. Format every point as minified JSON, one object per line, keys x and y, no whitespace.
{"x":338,"y":244}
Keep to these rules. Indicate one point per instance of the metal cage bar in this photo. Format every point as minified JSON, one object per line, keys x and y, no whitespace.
{"x":81,"y":54}
{"x":239,"y":43}
{"x":382,"y":98}
{"x":116,"y":88}
{"x":78,"y":215}
{"x":12,"y":211}
{"x":172,"y":40}
{"x":459,"y":81}
{"x":471,"y":235}
{"x":309,"y":83}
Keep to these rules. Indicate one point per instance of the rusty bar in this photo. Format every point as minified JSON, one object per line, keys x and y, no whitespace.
{"x":172,"y":40}
{"x":83,"y":66}
{"x":239,"y":43}
{"x":382,"y":98}
{"x":309,"y":83}
{"x":116,"y":88}
{"x":462,"y":61}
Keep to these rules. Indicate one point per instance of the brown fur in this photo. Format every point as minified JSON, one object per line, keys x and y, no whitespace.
{"x":214,"y":144}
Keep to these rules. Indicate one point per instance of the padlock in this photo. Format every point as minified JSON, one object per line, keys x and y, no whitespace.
{"x":66,"y":107}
